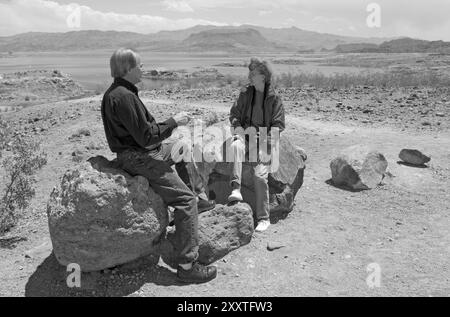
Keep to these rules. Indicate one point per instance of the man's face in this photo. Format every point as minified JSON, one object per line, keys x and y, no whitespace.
{"x":135,"y":74}
{"x":256,"y":79}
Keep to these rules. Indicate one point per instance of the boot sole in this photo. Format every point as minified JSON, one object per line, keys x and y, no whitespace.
{"x":194,"y":281}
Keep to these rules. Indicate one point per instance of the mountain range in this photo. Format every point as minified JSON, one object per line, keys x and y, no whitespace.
{"x":244,"y":38}
{"x":206,"y":38}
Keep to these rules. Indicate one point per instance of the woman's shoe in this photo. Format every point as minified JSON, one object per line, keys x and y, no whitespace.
{"x":235,"y":196}
{"x":262,"y":225}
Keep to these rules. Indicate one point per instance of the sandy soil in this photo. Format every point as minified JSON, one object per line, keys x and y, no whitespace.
{"x":329,"y":239}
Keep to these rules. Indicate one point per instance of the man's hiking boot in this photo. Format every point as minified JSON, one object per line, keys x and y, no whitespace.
{"x":205,"y":205}
{"x":197,"y":274}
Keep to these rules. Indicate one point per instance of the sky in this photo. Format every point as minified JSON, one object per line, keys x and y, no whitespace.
{"x":429,"y":20}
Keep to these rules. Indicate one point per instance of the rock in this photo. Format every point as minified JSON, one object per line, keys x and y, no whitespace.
{"x":359,"y":168}
{"x":272,"y":246}
{"x":221,"y":230}
{"x":414,"y":157}
{"x":224,"y":229}
{"x":100,"y":217}
{"x":40,"y":252}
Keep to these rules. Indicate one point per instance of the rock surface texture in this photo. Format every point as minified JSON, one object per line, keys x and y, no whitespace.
{"x":101,"y":217}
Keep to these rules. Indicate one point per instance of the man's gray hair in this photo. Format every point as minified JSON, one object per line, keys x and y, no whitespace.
{"x":122,"y":61}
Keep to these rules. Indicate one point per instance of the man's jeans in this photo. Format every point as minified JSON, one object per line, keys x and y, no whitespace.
{"x":260,"y":177}
{"x":156,"y":165}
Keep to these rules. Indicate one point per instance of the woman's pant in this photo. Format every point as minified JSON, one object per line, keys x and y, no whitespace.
{"x":260,"y":177}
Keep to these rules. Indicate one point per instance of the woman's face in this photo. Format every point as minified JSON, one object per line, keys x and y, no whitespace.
{"x":257,"y":79}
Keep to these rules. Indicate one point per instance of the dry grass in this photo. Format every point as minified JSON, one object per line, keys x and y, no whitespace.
{"x":375,"y":79}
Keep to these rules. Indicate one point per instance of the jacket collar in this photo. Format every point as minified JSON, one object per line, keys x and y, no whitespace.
{"x":268,"y":90}
{"x":125,"y":83}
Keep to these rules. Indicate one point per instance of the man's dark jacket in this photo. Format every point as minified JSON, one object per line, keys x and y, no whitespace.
{"x":127,"y":122}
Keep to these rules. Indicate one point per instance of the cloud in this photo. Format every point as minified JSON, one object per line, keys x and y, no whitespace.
{"x":178,"y":6}
{"x":414,"y":18}
{"x":239,"y":4}
{"x":19,"y":16}
{"x":264,"y":12}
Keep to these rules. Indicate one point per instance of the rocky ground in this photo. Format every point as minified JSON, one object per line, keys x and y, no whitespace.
{"x":419,"y":109}
{"x":22,"y":89}
{"x":324,"y":246}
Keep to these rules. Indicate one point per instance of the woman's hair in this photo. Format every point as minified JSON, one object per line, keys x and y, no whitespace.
{"x":122,"y":61}
{"x":264,"y":67}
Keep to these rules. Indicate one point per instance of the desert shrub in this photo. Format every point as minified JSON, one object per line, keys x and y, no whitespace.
{"x":5,"y":135}
{"x":391,"y":79}
{"x":24,"y":158}
{"x":194,"y":83}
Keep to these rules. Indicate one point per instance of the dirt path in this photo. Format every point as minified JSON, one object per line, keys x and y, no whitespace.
{"x":330,"y":238}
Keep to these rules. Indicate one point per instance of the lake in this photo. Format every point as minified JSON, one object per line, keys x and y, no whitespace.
{"x":91,"y":68}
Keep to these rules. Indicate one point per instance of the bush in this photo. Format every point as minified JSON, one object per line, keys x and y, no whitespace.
{"x":20,"y":165}
{"x":389,"y":79}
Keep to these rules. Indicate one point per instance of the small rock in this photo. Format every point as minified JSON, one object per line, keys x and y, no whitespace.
{"x":272,"y":246}
{"x":414,"y":157}
{"x":40,"y":252}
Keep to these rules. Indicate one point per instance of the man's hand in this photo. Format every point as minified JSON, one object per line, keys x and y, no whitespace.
{"x":237,"y":137}
{"x":181,"y":118}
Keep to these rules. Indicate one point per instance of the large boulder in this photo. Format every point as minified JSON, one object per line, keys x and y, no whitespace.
{"x":414,"y":157}
{"x":358,"y":168}
{"x":221,"y":230}
{"x":100,"y":216}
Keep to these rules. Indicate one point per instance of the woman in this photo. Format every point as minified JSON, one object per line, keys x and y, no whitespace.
{"x":258,"y":106}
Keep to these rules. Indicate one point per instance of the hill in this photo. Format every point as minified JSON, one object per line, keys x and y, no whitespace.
{"x":403,"y":45}
{"x":242,"y":40}
{"x":283,"y":39}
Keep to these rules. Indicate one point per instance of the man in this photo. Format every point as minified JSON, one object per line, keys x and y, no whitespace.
{"x":258,"y":106}
{"x":135,"y":136}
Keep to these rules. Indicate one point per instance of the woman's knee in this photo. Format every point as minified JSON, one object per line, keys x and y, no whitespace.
{"x":238,"y":145}
{"x":261,"y":173}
